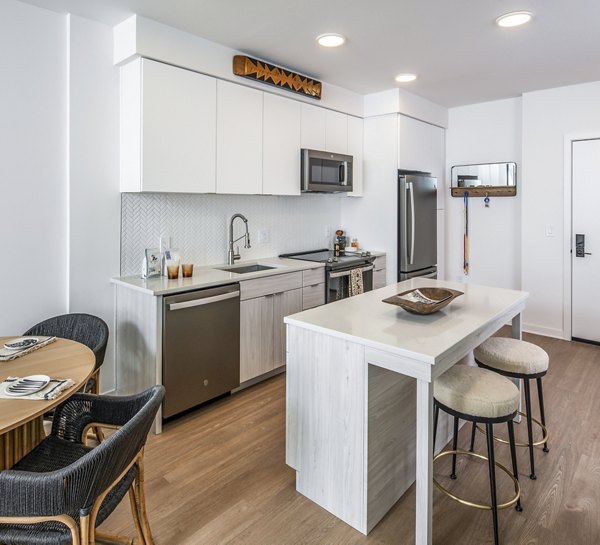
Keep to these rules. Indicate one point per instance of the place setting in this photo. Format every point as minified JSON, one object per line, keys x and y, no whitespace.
{"x":20,"y":346}
{"x":36,"y":387}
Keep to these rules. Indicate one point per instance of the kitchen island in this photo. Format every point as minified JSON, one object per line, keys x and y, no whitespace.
{"x":360,"y":394}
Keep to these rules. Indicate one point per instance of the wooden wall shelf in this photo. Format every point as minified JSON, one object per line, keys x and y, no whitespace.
{"x":482,"y":191}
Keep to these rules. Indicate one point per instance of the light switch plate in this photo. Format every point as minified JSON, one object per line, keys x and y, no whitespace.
{"x":549,"y":230}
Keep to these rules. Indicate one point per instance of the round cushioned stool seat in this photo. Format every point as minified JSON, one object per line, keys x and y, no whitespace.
{"x":476,"y":392}
{"x":512,"y":356}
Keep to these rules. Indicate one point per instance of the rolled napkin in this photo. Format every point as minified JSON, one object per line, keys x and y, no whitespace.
{"x":7,"y":354}
{"x":54,"y":388}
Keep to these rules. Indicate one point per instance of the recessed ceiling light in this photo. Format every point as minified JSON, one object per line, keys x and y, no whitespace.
{"x":330,"y":40}
{"x":514,"y":18}
{"x":405,"y":78}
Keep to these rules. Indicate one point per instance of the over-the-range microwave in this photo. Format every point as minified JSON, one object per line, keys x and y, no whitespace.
{"x":325,"y":172}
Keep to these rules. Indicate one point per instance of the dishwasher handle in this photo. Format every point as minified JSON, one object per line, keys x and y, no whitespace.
{"x":205,"y":301}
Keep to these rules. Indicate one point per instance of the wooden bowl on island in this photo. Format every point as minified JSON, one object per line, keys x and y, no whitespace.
{"x":424,"y":300}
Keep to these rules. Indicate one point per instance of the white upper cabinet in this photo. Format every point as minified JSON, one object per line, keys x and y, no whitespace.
{"x":184,"y":132}
{"x":336,"y":132}
{"x":313,"y":127}
{"x":281,"y":145}
{"x":423,"y":147}
{"x":355,"y":148}
{"x":239,"y":139}
{"x":168,"y":129}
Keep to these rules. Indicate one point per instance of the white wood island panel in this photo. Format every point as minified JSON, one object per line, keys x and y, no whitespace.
{"x":360,"y":395}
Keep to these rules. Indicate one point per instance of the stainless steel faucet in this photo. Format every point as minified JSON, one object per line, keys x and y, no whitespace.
{"x":231,"y":255}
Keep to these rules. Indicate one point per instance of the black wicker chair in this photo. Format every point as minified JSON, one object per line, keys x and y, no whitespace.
{"x":62,"y":490}
{"x":84,"y":328}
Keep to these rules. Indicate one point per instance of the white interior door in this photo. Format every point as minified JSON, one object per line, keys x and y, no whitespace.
{"x":586,"y":241}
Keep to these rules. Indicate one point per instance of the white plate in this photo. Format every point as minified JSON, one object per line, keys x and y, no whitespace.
{"x":44,"y":380}
{"x":21,"y":343}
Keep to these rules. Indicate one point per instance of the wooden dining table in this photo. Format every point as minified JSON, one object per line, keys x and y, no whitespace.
{"x":21,"y":420}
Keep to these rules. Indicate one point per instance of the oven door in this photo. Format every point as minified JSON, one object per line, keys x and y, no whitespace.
{"x":338,"y":282}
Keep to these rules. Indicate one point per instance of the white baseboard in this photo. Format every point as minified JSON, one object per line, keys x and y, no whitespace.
{"x":545,"y":331}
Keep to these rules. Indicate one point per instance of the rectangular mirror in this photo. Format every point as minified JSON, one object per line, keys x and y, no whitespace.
{"x":490,"y":174}
{"x":499,"y":179}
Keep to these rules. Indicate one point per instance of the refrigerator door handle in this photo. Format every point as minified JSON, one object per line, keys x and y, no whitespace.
{"x":411,"y":255}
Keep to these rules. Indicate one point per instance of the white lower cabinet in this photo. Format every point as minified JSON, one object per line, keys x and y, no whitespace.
{"x":256,"y":337}
{"x":313,"y":288}
{"x":284,"y":304}
{"x":265,"y":302}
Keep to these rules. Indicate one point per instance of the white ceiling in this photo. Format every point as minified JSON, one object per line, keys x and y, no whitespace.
{"x":461,"y":57}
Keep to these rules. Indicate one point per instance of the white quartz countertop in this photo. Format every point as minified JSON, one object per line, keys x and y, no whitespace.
{"x":209,"y":276}
{"x":367,"y":320}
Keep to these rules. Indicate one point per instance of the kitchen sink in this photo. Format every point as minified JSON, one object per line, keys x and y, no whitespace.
{"x":242,"y":269}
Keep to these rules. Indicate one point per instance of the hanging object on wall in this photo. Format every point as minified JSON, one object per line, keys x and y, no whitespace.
{"x":494,"y":179}
{"x":486,"y":201}
{"x":466,"y":233}
{"x":264,"y":72}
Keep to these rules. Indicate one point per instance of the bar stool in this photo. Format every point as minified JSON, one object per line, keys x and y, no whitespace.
{"x":520,"y":360}
{"x":479,"y":396}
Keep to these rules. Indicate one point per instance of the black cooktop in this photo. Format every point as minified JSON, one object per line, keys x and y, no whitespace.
{"x":330,"y":259}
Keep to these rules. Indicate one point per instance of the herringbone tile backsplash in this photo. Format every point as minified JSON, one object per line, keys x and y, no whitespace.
{"x":198,"y":225}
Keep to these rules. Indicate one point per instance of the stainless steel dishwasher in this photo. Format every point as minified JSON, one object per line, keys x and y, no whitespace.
{"x":201,"y":346}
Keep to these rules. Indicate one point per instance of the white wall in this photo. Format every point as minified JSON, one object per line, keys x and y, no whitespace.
{"x":94,"y":198}
{"x":489,"y":132}
{"x":548,"y":116}
{"x":33,"y":222}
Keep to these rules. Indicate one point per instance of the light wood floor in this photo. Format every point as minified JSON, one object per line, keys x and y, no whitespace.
{"x":218,"y":477}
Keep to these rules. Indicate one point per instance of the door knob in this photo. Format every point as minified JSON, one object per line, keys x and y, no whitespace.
{"x":580,"y":246}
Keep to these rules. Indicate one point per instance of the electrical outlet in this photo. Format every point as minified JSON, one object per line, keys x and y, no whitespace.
{"x":263,"y":236}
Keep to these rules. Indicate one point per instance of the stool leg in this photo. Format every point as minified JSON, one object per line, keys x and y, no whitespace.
{"x":473,"y":438}
{"x":513,"y":455}
{"x":532,"y":476}
{"x":492,"y":467}
{"x":454,"y":446}
{"x":542,"y":413}
{"x":436,"y":414}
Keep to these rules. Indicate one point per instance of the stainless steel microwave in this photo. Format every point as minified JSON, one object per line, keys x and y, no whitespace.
{"x":325,"y":172}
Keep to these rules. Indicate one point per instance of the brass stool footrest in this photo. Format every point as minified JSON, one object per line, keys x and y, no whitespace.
{"x":505,"y":505}
{"x":542,"y":441}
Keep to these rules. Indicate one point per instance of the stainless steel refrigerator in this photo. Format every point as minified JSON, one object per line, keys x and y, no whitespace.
{"x":417,"y":224}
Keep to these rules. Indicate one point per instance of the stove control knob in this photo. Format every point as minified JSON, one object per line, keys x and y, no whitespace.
{"x":335,"y":259}
{"x":329,"y":260}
